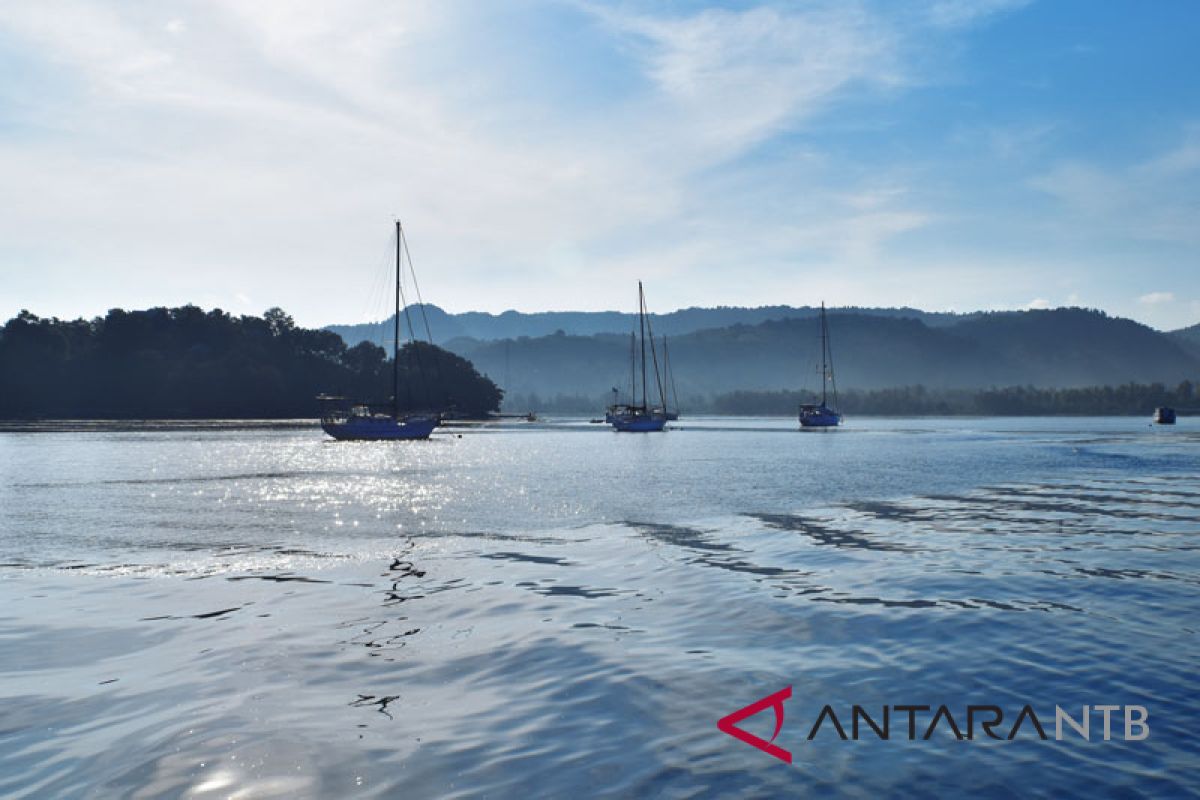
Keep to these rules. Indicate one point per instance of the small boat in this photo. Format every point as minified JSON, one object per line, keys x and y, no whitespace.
{"x":640,"y":417}
{"x":820,"y":415}
{"x":1164,"y":415}
{"x":357,"y":422}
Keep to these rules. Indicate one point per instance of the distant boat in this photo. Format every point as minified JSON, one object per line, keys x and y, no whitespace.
{"x":1164,"y":415}
{"x":636,"y":417}
{"x":814,"y":415}
{"x":357,"y":422}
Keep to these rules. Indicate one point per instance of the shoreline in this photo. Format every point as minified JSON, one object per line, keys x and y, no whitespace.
{"x":101,"y":425}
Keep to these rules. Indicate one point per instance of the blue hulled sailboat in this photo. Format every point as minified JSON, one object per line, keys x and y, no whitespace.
{"x":813,"y":415}
{"x":358,"y":422}
{"x":636,"y":417}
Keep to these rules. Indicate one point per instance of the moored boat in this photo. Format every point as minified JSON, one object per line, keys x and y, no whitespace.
{"x":821,"y":415}
{"x":640,"y":417}
{"x":361,"y":424}
{"x":639,"y":420}
{"x":358,"y":422}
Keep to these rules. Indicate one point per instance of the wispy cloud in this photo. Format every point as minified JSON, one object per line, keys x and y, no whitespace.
{"x":961,"y":13}
{"x":1156,"y":298}
{"x":1156,"y":198}
{"x":264,"y":140}
{"x":543,"y":155}
{"x":730,"y":79}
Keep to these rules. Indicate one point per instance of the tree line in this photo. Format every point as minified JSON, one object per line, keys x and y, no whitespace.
{"x":1125,"y":399}
{"x":187,"y":363}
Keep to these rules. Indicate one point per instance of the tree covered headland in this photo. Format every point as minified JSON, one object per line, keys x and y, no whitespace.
{"x":188,"y":363}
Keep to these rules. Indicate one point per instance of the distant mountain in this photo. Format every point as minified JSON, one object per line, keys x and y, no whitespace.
{"x":513,"y":324}
{"x":1066,"y":347}
{"x":1189,"y":338}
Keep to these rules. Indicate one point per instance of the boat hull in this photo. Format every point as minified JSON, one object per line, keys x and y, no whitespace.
{"x":384,"y":429}
{"x":819,"y":417}
{"x":638,"y":424}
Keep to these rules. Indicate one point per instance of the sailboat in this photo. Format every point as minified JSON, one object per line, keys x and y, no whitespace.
{"x":360,"y":423}
{"x":640,"y":417}
{"x":822,"y":416}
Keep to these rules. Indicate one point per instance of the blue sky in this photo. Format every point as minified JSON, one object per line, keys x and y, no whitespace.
{"x":546,"y":155}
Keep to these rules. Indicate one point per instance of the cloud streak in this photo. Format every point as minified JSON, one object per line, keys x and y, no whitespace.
{"x":543,"y":156}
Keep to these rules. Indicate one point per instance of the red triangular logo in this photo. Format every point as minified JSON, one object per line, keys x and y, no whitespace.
{"x":729,"y":724}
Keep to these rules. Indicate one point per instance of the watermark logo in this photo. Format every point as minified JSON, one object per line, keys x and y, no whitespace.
{"x":775,"y":701}
{"x":921,"y":722}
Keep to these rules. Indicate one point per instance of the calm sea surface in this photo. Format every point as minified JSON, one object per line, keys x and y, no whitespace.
{"x":553,"y":609}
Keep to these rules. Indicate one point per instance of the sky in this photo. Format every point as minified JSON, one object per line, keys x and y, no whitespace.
{"x":547,"y":154}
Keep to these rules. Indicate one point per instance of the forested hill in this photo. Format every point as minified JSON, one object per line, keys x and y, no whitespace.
{"x":189,"y":363}
{"x":1066,"y":347}
{"x":514,"y":324}
{"x":186,"y":362}
{"x":1189,"y":338}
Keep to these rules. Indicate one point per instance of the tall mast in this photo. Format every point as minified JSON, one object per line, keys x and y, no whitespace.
{"x":642,"y":322}
{"x":396,"y":333}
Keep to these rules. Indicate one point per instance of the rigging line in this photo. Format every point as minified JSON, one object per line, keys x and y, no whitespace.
{"x":810,"y":363}
{"x":374,"y":312}
{"x":398,"y":298}
{"x":670,"y":372}
{"x":642,"y":329}
{"x":654,"y":355}
{"x":416,"y":286}
{"x":832,"y":379}
{"x":632,"y":368}
{"x":437,"y":357}
{"x":412,"y":332}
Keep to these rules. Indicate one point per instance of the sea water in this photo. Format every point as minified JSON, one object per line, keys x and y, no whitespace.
{"x":555,"y":609}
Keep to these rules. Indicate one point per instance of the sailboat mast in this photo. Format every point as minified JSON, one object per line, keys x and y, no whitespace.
{"x":396,"y":333}
{"x":642,"y":323}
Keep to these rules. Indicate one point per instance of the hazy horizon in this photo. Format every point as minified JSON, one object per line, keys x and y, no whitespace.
{"x":654,"y":312}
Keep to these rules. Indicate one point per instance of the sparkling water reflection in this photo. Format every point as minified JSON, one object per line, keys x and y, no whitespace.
{"x":552,"y":609}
